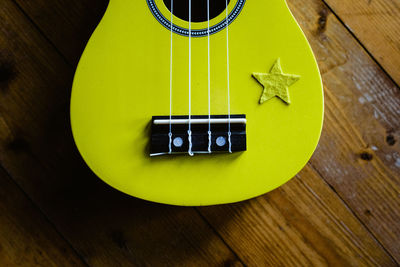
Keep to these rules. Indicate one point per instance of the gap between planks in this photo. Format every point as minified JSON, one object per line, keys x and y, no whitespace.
{"x":361,"y":44}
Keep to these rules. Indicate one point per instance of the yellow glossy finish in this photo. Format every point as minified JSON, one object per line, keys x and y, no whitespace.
{"x":123,"y":80}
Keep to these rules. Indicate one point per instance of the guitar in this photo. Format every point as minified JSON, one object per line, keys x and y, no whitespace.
{"x":197,"y":102}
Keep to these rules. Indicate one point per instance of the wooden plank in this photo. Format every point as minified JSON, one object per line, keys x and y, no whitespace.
{"x":26,"y":237}
{"x":77,"y":19}
{"x":358,"y":153}
{"x":36,"y":146}
{"x":377,"y":26}
{"x":302,"y":223}
{"x":308,"y":14}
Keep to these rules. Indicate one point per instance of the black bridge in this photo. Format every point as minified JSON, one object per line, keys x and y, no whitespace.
{"x":164,"y":143}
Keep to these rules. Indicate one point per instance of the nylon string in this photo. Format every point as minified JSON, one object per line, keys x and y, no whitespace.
{"x":209,"y":76}
{"x":227,"y":76}
{"x":190,"y":79}
{"x":170,"y":81}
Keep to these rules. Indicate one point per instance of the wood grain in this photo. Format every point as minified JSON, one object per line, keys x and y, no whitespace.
{"x":345,"y":221}
{"x":26,"y":237}
{"x":77,"y":19}
{"x":377,"y":25}
{"x":362,"y":111}
{"x":303,"y":223}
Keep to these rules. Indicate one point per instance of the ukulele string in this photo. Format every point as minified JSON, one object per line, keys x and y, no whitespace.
{"x":190,"y":79}
{"x":227,"y":76}
{"x":209,"y":76}
{"x":170,"y":82}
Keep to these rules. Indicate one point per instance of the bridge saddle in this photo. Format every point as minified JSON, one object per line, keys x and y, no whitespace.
{"x":160,"y":138}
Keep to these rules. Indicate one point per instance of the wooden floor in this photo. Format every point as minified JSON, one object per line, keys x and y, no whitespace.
{"x":343,"y":209}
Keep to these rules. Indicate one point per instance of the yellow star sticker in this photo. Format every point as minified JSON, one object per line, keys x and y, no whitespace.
{"x":276,"y":83}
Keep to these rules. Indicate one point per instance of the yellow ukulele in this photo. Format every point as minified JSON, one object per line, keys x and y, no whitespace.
{"x":197,"y":102}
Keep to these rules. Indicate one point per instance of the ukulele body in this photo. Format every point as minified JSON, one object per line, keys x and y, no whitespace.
{"x":123,"y":79}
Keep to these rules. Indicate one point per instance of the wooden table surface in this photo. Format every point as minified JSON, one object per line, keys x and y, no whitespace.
{"x":342,"y":209}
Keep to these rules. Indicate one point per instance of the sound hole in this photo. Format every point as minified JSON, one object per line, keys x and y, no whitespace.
{"x":199,"y":9}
